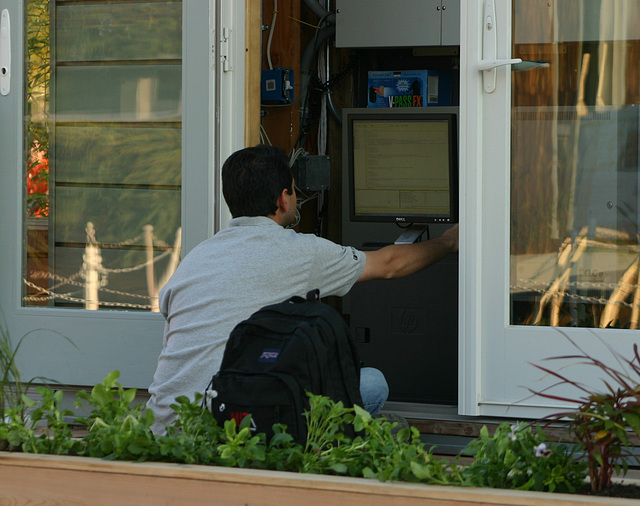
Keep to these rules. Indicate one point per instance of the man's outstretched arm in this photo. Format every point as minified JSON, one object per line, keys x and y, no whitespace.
{"x":398,"y":260}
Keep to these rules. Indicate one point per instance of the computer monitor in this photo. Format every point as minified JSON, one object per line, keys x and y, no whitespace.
{"x":402,"y":165}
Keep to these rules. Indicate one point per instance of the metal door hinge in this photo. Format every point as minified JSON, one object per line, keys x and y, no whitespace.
{"x":225,"y":50}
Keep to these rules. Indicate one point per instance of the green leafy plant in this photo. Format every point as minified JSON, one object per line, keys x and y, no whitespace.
{"x":14,"y":403}
{"x":398,"y":457}
{"x":516,"y":457}
{"x":11,"y":386}
{"x":375,"y":452}
{"x":326,"y":422}
{"x":14,"y":429}
{"x":241,"y":448}
{"x":194,"y":435}
{"x":602,"y":422}
{"x":48,"y":432}
{"x":118,"y":429}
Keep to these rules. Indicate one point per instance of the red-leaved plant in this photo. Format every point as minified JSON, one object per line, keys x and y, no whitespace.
{"x":602,"y":422}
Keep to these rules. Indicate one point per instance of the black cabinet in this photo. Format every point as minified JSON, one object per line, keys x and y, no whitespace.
{"x":408,"y":328}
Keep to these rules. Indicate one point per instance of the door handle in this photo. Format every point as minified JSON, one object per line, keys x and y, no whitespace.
{"x":490,"y":62}
{"x":485,"y":65}
{"x":5,"y":53}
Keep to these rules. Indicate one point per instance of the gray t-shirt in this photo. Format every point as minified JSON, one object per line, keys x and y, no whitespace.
{"x":224,"y":280}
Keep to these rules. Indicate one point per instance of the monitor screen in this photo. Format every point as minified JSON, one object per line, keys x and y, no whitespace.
{"x":402,"y":165}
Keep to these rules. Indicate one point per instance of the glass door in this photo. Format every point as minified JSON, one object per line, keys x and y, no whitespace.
{"x":103,"y":157}
{"x":574,"y":165}
{"x":109,"y":171}
{"x":556,"y":193}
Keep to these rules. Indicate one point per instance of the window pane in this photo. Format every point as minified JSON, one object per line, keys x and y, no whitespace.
{"x":106,"y":31}
{"x":137,"y":93}
{"x":103,"y":167}
{"x":574,"y":164}
{"x":118,"y":154}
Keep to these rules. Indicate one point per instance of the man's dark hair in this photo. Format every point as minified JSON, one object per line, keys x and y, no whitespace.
{"x":253,"y":178}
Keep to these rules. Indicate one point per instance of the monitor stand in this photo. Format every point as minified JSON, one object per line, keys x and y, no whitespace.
{"x":411,"y":234}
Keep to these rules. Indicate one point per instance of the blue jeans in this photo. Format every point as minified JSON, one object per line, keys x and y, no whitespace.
{"x":373,"y":389}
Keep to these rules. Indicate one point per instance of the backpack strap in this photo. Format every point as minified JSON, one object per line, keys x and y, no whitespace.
{"x":313,"y":295}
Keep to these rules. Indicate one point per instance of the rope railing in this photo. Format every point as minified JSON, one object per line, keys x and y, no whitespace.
{"x":95,"y":276}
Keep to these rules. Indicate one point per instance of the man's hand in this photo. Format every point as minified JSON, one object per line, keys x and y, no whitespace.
{"x":451,"y":236}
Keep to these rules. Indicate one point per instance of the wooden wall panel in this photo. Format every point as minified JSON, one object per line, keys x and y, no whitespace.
{"x":252,"y":72}
{"x":281,"y":123}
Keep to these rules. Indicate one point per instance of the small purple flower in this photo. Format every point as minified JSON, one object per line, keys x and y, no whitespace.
{"x":512,"y":434}
{"x":541,"y":450}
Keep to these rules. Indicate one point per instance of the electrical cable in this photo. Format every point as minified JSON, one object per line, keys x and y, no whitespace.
{"x":305,"y":65}
{"x":320,"y":11}
{"x":317,"y":90}
{"x":295,"y":153}
{"x":323,"y":75}
{"x":271,"y":30}
{"x":264,"y":135}
{"x":333,"y":109}
{"x":296,"y":220}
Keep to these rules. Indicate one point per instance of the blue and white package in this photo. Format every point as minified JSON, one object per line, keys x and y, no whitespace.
{"x":409,"y":88}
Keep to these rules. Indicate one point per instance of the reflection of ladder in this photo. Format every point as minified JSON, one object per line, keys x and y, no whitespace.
{"x":152,"y":288}
{"x":570,"y":252}
{"x":620,"y":293}
{"x":93,"y":271}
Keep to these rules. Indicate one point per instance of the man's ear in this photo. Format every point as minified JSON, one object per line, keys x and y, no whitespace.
{"x":283,"y":201}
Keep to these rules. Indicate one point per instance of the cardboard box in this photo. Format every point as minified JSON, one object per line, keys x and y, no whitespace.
{"x":409,"y":88}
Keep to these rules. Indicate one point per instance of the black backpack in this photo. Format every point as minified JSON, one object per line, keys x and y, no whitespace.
{"x":277,"y":355}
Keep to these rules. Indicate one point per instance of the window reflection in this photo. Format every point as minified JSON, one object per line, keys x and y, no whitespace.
{"x":574,"y":167}
{"x":103,"y":163}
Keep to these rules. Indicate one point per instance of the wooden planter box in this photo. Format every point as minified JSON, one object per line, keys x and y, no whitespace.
{"x":47,"y":479}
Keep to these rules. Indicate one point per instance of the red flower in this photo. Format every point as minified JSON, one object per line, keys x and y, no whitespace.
{"x":38,"y":185}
